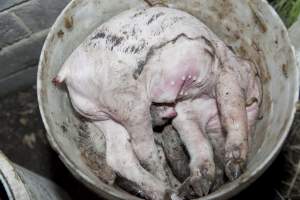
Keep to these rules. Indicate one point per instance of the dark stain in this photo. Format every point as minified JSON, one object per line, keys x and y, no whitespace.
{"x":155,"y":17}
{"x":64,"y":128}
{"x":133,"y":31}
{"x":262,"y":25}
{"x":236,"y":35}
{"x":135,"y":49}
{"x":114,"y":40}
{"x":227,"y":9}
{"x":139,"y":69}
{"x":98,"y":36}
{"x":83,"y":130}
{"x":141,"y":64}
{"x":210,"y":44}
{"x":211,"y":54}
{"x":132,"y":49}
{"x":176,"y":19}
{"x":231,"y":48}
{"x":285,"y":70}
{"x":83,"y":127}
{"x":137,"y":14}
{"x":258,"y":19}
{"x":95,"y":160}
{"x":207,"y":42}
{"x":256,"y":47}
{"x":60,"y":34}
{"x":68,"y":22}
{"x":127,"y":50}
{"x":251,"y":101}
{"x":242,"y":51}
{"x":136,"y":29}
{"x":131,"y":187}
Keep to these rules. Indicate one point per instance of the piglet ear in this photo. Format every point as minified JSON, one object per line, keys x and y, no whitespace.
{"x":232,"y":108}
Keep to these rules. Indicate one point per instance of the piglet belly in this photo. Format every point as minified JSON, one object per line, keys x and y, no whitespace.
{"x":189,"y":65}
{"x":174,"y":86}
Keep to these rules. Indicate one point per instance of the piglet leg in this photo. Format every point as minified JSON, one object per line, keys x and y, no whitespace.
{"x":142,"y":140}
{"x":231,"y":105}
{"x":121,"y":158}
{"x":202,"y":164}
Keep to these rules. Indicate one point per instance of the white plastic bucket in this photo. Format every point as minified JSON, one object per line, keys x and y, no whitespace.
{"x":251,"y":27}
{"x":22,"y":184}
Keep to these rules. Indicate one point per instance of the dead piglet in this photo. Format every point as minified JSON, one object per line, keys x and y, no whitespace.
{"x":120,"y":156}
{"x":175,"y":154}
{"x":92,"y":147}
{"x":238,"y":98}
{"x":209,"y":141}
{"x":163,"y":56}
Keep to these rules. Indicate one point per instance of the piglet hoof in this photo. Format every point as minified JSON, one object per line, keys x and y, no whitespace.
{"x":171,"y":195}
{"x":197,"y":185}
{"x":203,"y":178}
{"x":202,"y":184}
{"x":235,"y":163}
{"x":186,"y":191}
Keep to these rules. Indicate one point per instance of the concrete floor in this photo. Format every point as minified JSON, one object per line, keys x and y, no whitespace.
{"x":22,"y":139}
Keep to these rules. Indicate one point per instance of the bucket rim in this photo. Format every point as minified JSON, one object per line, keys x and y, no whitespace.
{"x":12,"y":182}
{"x":234,"y":187}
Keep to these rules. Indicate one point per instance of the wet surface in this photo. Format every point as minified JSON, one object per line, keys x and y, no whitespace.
{"x":22,"y":139}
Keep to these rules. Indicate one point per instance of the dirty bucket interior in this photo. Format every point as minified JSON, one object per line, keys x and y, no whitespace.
{"x":251,"y":28}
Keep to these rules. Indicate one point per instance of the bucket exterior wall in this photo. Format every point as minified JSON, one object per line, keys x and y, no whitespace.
{"x":22,"y":184}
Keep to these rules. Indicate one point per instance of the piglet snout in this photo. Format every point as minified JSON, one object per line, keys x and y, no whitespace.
{"x":169,"y":113}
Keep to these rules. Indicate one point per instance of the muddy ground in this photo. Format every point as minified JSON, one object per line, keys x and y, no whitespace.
{"x":22,"y":139}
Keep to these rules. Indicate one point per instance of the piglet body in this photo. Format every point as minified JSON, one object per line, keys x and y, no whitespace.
{"x":163,"y":56}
